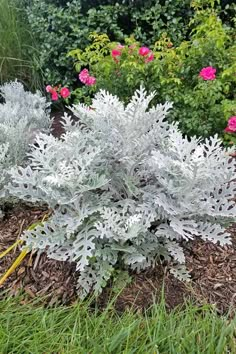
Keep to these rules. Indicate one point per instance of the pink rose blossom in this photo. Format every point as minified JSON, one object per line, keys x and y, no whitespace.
{"x":84,"y":75}
{"x":65,"y":92}
{"x":149,"y":58}
{"x":228,"y":130}
{"x":115,"y":53}
{"x":54,"y":95}
{"x":208,"y":73}
{"x":232,"y":121}
{"x":86,"y":78}
{"x":91,"y":81}
{"x":231,"y":128}
{"x":48,"y":88}
{"x":143,"y":51}
{"x":120,"y":46}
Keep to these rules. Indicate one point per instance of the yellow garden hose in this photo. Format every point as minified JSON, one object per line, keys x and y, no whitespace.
{"x":18,"y":261}
{"x":21,"y":256}
{"x":10,"y":248}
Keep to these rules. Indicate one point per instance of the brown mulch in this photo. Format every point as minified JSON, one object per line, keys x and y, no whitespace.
{"x":213,"y":280}
{"x":147,"y":288}
{"x":213,"y":271}
{"x":57,"y":129}
{"x":37,"y":276}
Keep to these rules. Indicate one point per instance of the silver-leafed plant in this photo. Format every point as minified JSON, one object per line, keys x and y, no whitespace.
{"x":22,"y":115}
{"x":125,"y":188}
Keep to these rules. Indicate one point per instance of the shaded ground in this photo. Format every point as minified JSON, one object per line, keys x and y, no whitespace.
{"x":57,"y":129}
{"x":212,"y":267}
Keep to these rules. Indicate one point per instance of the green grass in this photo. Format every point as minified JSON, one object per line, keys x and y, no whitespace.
{"x":77,"y":329}
{"x":16,"y":42}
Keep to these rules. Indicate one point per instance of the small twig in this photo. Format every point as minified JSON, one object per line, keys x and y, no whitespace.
{"x":19,"y":234}
{"x":36,"y":260}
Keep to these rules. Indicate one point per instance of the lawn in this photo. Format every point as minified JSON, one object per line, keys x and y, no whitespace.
{"x":81,"y":329}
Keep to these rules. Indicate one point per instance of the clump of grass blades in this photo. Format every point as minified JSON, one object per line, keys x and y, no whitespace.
{"x":16,"y":42}
{"x":78,"y":329}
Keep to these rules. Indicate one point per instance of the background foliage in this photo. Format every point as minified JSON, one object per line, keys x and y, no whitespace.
{"x":16,"y":41}
{"x":31,"y":50}
{"x":60,"y":26}
{"x":202,"y":108}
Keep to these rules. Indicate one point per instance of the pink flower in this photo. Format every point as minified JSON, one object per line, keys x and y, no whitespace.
{"x":65,"y":92}
{"x":232,"y":121}
{"x":115,"y":53}
{"x":84,"y":75}
{"x":149,"y":58}
{"x":143,"y":51}
{"x":86,"y":78}
{"x":231,"y":128}
{"x":120,"y":46}
{"x":228,"y":130}
{"x":91,"y":81}
{"x":208,"y":73}
{"x":48,"y":88}
{"x":54,"y":95}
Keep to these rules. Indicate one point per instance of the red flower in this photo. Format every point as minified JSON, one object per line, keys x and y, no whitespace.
{"x":143,"y":51}
{"x":115,"y":53}
{"x":65,"y":92}
{"x":54,"y":95}
{"x":231,"y":127}
{"x":149,"y":58}
{"x":91,"y":81}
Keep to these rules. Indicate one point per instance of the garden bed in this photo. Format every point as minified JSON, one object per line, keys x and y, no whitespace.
{"x":213,"y":271}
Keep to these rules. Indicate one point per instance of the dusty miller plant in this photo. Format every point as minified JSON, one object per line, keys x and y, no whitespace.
{"x":125,"y":188}
{"x":22,"y":115}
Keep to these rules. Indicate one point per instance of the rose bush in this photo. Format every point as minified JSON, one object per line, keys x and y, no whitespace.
{"x":60,"y":26}
{"x":198,"y":76}
{"x":58,"y":92}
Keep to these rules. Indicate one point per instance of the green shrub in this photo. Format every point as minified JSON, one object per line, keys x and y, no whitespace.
{"x":202,"y":107}
{"x":61,"y":26}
